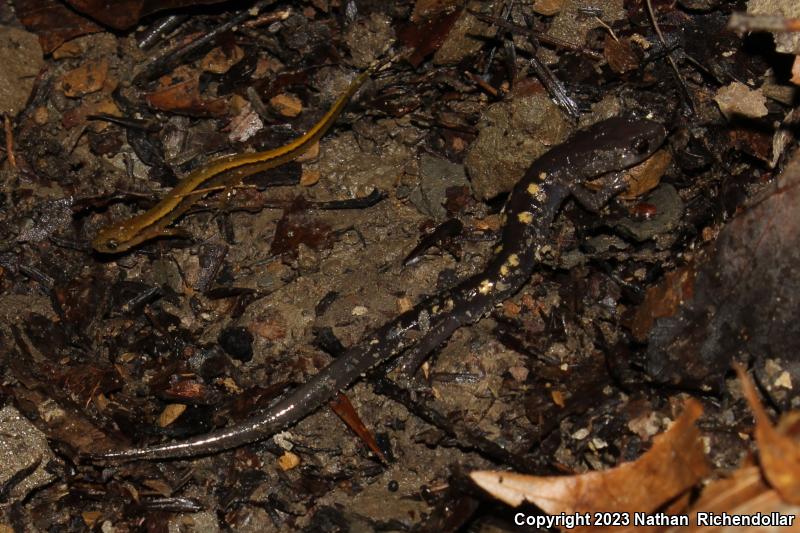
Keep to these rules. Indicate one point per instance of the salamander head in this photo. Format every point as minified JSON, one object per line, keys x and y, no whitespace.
{"x":118,"y":238}
{"x":619,"y":143}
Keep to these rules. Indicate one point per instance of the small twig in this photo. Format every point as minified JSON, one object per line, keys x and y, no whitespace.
{"x":553,"y":85}
{"x":541,"y":37}
{"x":672,"y":63}
{"x":163,"y":63}
{"x":742,"y":22}
{"x":483,"y":84}
{"x":459,"y":431}
{"x":608,"y":28}
{"x":269,"y":18}
{"x":159,"y":29}
{"x":12,"y":159}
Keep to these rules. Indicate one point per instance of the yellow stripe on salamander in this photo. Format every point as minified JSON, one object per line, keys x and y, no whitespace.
{"x":123,"y":235}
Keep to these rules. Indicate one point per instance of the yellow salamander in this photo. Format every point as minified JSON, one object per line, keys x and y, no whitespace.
{"x":227,"y":171}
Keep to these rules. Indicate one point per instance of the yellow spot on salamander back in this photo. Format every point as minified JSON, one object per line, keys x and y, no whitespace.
{"x":504,"y":270}
{"x":485,"y":287}
{"x":533,"y":189}
{"x":542,"y":176}
{"x":498,"y":248}
{"x":513,"y":260}
{"x":526,"y":217}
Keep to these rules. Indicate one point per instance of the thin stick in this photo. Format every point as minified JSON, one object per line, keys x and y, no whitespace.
{"x":672,"y":63}
{"x":12,"y":159}
{"x":743,"y":22}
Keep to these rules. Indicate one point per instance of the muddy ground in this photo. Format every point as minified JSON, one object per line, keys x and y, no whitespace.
{"x":578,"y":371}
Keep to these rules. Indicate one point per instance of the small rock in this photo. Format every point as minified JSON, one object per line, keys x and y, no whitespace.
{"x":21,"y":446}
{"x":548,"y":8}
{"x":237,"y":342}
{"x":785,"y":42}
{"x":85,"y":79}
{"x":288,"y":460}
{"x":219,"y":61}
{"x":170,"y":414}
{"x":572,"y":25}
{"x":20,"y":62}
{"x":466,"y":37}
{"x":738,"y":99}
{"x":436,"y":175}
{"x":512,"y":135}
{"x":669,"y":210}
{"x":286,"y":104}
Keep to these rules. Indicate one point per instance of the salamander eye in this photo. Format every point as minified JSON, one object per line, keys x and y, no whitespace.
{"x":111,"y":244}
{"x":642,"y":146}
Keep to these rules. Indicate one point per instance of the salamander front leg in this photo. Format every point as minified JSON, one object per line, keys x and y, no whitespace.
{"x":612,"y":184}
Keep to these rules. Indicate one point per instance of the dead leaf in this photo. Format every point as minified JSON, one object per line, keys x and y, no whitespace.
{"x":620,"y":55}
{"x":91,"y":106}
{"x":311,"y":154}
{"x":738,"y":99}
{"x":778,"y":452}
{"x":743,"y":493}
{"x":675,"y":463}
{"x":425,"y":9}
{"x":663,"y":300}
{"x":286,"y":104}
{"x":85,"y":79}
{"x":646,"y":176}
{"x":220,"y":61}
{"x":288,"y":460}
{"x":245,"y":124}
{"x":310,"y":177}
{"x":91,"y":517}
{"x":548,"y":8}
{"x":344,"y":409}
{"x":427,"y":36}
{"x":53,"y":22}
{"x":180,"y":93}
{"x":271,"y":329}
{"x":170,"y":414}
{"x":123,"y":14}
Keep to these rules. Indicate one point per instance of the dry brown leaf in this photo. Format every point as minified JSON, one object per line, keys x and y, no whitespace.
{"x":743,"y":496}
{"x":271,"y":329}
{"x":548,"y":8}
{"x":779,"y":453}
{"x":245,"y":124}
{"x":170,"y":414}
{"x":220,"y":61}
{"x":346,"y":411}
{"x":425,"y":9}
{"x":180,"y":93}
{"x":286,"y":104}
{"x":675,"y":463}
{"x":646,"y":176}
{"x":85,"y":79}
{"x":738,"y":99}
{"x":288,"y":460}
{"x":91,"y":106}
{"x":158,"y":485}
{"x":663,"y":300}
{"x":91,"y":517}
{"x":309,"y":177}
{"x":620,"y":55}
{"x":311,"y":154}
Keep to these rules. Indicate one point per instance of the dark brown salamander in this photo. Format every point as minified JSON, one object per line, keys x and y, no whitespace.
{"x":611,"y":145}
